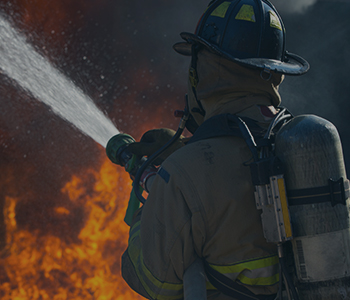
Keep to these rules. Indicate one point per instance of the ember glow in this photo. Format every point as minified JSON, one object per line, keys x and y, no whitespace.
{"x":36,"y":266}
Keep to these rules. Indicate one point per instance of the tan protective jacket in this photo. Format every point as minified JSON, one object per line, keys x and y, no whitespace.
{"x":201,"y":204}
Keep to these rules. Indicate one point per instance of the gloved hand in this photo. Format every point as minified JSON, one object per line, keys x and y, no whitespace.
{"x":153,"y":140}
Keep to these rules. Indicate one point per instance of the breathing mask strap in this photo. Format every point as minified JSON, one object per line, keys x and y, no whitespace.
{"x":194,"y":80}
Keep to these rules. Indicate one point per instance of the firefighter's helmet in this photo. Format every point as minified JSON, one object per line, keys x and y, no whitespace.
{"x":249,"y":32}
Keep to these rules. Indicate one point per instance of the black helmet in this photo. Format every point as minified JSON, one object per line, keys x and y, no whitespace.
{"x":249,"y":32}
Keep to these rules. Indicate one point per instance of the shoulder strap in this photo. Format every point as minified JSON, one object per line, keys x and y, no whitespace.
{"x":226,"y":125}
{"x":231,"y":125}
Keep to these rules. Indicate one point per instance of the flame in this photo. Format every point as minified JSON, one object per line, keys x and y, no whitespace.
{"x":34,"y":266}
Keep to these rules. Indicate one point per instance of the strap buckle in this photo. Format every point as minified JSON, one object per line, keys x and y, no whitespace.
{"x":265,"y":73}
{"x":337,"y":191}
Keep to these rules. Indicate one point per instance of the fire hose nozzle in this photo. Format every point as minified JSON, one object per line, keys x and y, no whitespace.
{"x":117,"y":151}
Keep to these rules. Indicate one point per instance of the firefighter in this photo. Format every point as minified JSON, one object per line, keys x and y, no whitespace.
{"x":201,"y":200}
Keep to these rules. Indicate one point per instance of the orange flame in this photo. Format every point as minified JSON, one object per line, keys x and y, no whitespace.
{"x":46,"y":267}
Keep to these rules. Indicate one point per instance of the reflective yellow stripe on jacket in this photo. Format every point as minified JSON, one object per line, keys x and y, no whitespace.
{"x":257,"y":272}
{"x":154,"y":287}
{"x":263,"y":271}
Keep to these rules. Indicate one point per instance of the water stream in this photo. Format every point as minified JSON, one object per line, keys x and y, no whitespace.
{"x":20,"y":61}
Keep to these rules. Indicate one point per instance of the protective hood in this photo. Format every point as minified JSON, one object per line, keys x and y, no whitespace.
{"x":227,"y":87}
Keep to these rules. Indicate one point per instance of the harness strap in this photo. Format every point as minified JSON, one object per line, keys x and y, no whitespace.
{"x":335,"y":192}
{"x":231,"y":288}
{"x":226,"y":125}
{"x":194,"y":80}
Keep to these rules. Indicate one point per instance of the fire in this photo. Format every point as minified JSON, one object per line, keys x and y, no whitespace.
{"x":65,"y":241}
{"x":33,"y":266}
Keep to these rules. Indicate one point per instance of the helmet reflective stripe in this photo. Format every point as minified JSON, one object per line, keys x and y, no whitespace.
{"x":258,"y":272}
{"x":246,"y":13}
{"x":274,"y":20}
{"x":154,"y":287}
{"x":221,"y":10}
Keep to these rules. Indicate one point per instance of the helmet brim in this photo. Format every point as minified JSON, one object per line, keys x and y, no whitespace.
{"x":292,"y":64}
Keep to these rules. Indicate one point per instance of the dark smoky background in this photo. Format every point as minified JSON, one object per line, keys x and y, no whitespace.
{"x":319,"y":31}
{"x":147,"y":70}
{"x":120,"y":54}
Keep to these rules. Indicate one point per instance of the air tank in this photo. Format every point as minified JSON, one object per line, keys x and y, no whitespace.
{"x":318,"y":196}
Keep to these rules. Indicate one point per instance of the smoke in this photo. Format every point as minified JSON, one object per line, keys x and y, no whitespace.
{"x":296,"y":6}
{"x":320,"y":36}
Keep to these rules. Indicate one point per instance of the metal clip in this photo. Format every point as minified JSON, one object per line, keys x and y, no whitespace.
{"x":337,"y":191}
{"x":266,"y":72}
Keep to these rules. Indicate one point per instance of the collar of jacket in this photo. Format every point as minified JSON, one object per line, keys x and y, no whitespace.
{"x":226,"y":125}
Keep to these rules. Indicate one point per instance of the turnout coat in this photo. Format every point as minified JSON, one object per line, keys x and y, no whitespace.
{"x":201,"y":203}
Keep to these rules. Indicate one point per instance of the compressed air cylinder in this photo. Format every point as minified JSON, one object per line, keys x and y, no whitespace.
{"x":318,"y":191}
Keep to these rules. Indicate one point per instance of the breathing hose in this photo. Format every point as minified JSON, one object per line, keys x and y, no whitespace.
{"x":153,"y":157}
{"x":290,"y":287}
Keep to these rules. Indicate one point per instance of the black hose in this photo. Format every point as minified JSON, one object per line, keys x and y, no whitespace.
{"x":289,"y":281}
{"x":248,"y":137}
{"x":280,"y":284}
{"x":274,"y":122}
{"x":154,"y":156}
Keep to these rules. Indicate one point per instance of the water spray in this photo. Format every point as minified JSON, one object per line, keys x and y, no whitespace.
{"x":34,"y":74}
